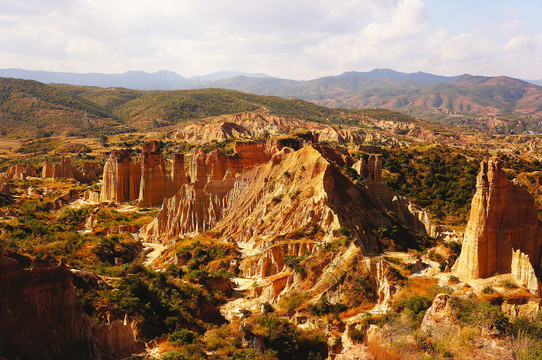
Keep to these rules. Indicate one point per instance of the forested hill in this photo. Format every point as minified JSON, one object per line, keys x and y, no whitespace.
{"x":32,"y":109}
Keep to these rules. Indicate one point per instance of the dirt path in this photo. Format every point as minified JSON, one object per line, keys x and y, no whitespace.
{"x":157,"y":250}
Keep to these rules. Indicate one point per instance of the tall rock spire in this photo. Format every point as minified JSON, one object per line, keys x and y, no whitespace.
{"x":503,"y":218}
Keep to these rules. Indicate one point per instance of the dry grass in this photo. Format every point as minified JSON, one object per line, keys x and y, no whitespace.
{"x":416,"y":286}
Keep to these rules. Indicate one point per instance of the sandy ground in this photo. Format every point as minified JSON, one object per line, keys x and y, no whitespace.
{"x":157,"y":250}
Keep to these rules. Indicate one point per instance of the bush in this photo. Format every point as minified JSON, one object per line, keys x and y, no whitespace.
{"x":292,"y":302}
{"x":357,"y":335}
{"x":268,"y":308}
{"x":453,"y":279}
{"x":289,"y":342}
{"x":294,"y":263}
{"x":182,"y":337}
{"x":418,"y":304}
{"x":344,"y":231}
{"x":488,"y":290}
{"x":324,"y":307}
{"x":479,"y":314}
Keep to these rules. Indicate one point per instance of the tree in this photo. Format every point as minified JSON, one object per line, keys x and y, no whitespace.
{"x":102,"y":139}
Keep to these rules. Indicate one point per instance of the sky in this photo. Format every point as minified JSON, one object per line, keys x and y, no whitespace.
{"x":295,"y":39}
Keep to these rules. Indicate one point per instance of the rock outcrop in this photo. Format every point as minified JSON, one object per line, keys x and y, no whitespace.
{"x":91,"y":196}
{"x":41,"y":317}
{"x":291,"y":191}
{"x":145,"y":180}
{"x":503,"y":219}
{"x":18,"y":172}
{"x":523,"y":272}
{"x":89,"y":172}
{"x":371,"y":168}
{"x":341,"y":136}
{"x":247,"y":125}
{"x":439,"y":317}
{"x":154,"y":184}
{"x":521,"y":307}
{"x":121,"y":178}
{"x":271,"y":261}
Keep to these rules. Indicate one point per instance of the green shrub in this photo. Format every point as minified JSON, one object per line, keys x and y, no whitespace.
{"x":287,"y":340}
{"x":324,"y":307}
{"x":294,"y":263}
{"x":488,"y":290}
{"x":478,"y":313}
{"x":182,"y":337}
{"x":418,"y":304}
{"x":268,"y":308}
{"x":344,"y":231}
{"x":453,"y":279}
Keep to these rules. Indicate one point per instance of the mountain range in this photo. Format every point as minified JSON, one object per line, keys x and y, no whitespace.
{"x":501,"y":103}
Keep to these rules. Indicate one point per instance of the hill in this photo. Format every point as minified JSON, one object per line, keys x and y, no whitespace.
{"x":29,"y":109}
{"x":501,"y":104}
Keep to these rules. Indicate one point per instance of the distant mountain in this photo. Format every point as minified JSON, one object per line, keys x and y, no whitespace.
{"x":220,"y":75}
{"x":422,"y":77}
{"x":30,"y":109}
{"x":421,"y":94}
{"x":536,"y":82}
{"x":138,"y":80}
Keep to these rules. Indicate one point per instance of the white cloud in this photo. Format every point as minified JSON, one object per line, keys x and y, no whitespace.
{"x":466,"y":46}
{"x":518,"y":44}
{"x":296,"y":39}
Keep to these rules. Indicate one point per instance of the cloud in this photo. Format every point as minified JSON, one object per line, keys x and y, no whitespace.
{"x":295,"y":39}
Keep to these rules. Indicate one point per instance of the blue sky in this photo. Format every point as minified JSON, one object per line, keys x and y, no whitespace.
{"x":299,"y":39}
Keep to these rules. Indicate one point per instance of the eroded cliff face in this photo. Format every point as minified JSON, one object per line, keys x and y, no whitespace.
{"x":121,"y":178}
{"x":247,"y":125}
{"x":523,"y":272}
{"x":41,"y":317}
{"x":371,"y":168}
{"x":295,"y":189}
{"x":154,"y":184}
{"x":198,"y":206}
{"x":18,"y":172}
{"x":503,"y":219}
{"x":145,"y":180}
{"x":341,"y":136}
{"x":271,"y":260}
{"x":89,"y":172}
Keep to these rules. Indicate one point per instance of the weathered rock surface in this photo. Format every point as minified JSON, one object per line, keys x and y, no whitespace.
{"x":523,"y":272}
{"x":521,"y":307}
{"x":154,"y":184}
{"x":247,"y":125}
{"x":439,"y":317}
{"x":341,"y":136}
{"x":89,"y":172}
{"x":145,"y":180}
{"x":370,"y":169}
{"x":41,"y":317}
{"x":271,"y":261}
{"x":291,"y":191}
{"x":503,"y":218}
{"x":121,"y":178}
{"x":91,"y":196}
{"x":18,"y":172}
{"x":65,"y":198}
